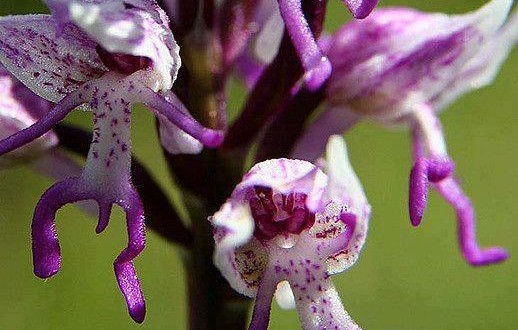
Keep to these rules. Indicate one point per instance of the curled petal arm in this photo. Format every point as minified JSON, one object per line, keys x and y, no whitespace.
{"x":123,"y":265}
{"x":476,"y":256}
{"x":172,"y":110}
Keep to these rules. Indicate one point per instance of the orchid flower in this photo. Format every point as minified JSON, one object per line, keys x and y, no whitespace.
{"x":287,"y":227}
{"x":104,"y":56}
{"x":402,"y":67}
{"x":315,"y":64}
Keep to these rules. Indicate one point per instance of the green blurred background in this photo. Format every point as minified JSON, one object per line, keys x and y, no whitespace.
{"x":407,"y":278}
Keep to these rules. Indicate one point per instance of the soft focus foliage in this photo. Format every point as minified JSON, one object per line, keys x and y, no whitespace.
{"x":407,"y":278}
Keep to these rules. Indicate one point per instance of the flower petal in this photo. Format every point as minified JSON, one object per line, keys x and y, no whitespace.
{"x":136,"y":27}
{"x":19,"y":109}
{"x":237,"y":261}
{"x":285,"y":176}
{"x":51,"y":66}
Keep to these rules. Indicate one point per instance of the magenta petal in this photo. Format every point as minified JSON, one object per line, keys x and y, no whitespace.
{"x":52,"y":66}
{"x":361,"y":8}
{"x":123,"y":265}
{"x":45,"y":245}
{"x":476,"y":256}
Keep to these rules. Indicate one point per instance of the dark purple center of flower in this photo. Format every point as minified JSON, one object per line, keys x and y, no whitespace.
{"x":126,"y":64}
{"x":279,"y":214}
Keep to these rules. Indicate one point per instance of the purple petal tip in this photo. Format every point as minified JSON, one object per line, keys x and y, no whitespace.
{"x":138,"y":312}
{"x":46,"y":265}
{"x":361,"y":8}
{"x":213,"y":139}
{"x":318,"y":75}
{"x":488,"y":256}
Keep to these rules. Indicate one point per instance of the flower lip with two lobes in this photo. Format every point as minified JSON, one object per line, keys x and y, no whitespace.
{"x":289,"y":221}
{"x":107,"y":56}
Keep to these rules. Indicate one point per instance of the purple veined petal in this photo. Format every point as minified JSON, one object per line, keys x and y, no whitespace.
{"x":171,"y":108}
{"x":19,"y":109}
{"x":333,"y":120}
{"x":316,"y":65}
{"x":44,"y":125}
{"x":482,"y":69}
{"x":380,"y":66}
{"x":475,"y":255}
{"x":142,"y":30}
{"x":51,"y":66}
{"x":360,"y":8}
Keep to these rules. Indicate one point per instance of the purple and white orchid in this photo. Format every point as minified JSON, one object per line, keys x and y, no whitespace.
{"x":288,"y":221}
{"x":402,"y":67}
{"x":105,"y":56}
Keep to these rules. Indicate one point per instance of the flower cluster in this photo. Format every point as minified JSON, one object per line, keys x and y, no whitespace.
{"x":299,"y":215}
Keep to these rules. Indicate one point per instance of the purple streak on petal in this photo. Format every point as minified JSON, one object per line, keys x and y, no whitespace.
{"x":476,"y":256}
{"x":332,"y":246}
{"x":45,"y":245}
{"x":42,"y":126}
{"x":172,"y":109}
{"x":360,"y":8}
{"x":123,"y":265}
{"x":52,"y":66}
{"x":316,"y":65}
{"x":263,"y":302}
{"x":105,"y":210}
